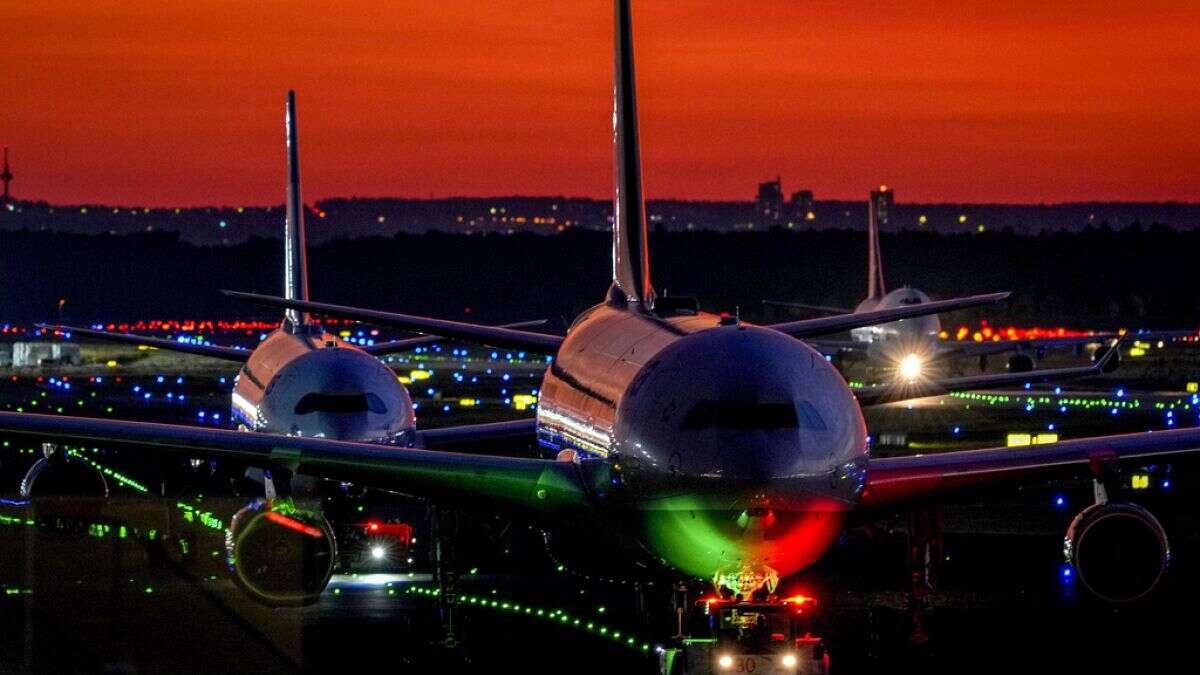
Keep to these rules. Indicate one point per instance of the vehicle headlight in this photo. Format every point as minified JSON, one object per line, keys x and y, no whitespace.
{"x":726,"y":661}
{"x":789,"y":660}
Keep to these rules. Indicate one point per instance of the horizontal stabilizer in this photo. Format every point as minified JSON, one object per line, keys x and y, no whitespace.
{"x":842,"y":322}
{"x":902,"y":391}
{"x":455,"y":330}
{"x":490,"y":432}
{"x":457,"y":477}
{"x":393,"y":346}
{"x":226,"y":353}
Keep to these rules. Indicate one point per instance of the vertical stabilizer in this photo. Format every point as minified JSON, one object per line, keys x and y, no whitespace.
{"x":295,"y":267}
{"x":876,"y":215}
{"x":631,"y":255}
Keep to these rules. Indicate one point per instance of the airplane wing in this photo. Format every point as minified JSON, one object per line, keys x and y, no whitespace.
{"x":516,"y":482}
{"x":901,"y":391}
{"x":393,"y":346}
{"x":824,"y":309}
{"x":226,"y":353}
{"x":491,"y":335}
{"x":900,"y":481}
{"x":835,"y":324}
{"x":834,"y":346}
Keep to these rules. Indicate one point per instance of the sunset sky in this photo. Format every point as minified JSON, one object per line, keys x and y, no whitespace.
{"x":181,"y":103}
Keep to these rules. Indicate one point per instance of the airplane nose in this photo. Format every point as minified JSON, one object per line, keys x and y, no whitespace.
{"x":756,"y":462}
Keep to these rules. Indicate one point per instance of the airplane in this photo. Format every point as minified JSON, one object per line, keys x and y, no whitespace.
{"x":685,"y":443}
{"x":302,"y":380}
{"x":912,"y":345}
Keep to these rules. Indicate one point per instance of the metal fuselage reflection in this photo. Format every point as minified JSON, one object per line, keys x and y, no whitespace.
{"x":734,"y":446}
{"x":312,"y":383}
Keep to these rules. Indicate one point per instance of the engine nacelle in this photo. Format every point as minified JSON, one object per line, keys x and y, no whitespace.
{"x":59,"y":475}
{"x":1119,"y":551}
{"x":281,"y":555}
{"x":1020,"y":363}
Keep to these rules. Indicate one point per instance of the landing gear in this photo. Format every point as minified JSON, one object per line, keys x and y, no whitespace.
{"x":443,"y":525}
{"x":925,"y":552}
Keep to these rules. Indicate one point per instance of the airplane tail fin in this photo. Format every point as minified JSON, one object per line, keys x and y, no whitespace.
{"x":295,"y":266}
{"x":875,"y":285}
{"x":631,"y":256}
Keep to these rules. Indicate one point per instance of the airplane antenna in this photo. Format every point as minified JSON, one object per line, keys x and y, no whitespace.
{"x":631,"y":254}
{"x":295,"y":267}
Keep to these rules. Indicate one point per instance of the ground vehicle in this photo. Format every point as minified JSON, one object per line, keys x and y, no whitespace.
{"x":751,"y":637}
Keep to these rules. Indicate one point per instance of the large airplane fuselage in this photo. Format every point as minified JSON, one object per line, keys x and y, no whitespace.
{"x":312,"y":383}
{"x":896,"y":340}
{"x":738,"y":449}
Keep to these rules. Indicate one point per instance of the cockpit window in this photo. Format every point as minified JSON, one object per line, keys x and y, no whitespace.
{"x":741,"y":415}
{"x":910,"y":300}
{"x":340,"y":403}
{"x":753,"y":416}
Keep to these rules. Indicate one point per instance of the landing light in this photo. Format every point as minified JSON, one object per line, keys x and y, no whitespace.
{"x":910,"y":367}
{"x":789,"y":660}
{"x":378,"y":552}
{"x":726,"y":661}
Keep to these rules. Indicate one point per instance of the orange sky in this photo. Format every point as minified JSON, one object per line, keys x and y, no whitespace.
{"x":178,"y":103}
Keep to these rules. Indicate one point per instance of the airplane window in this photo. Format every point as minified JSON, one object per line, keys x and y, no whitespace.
{"x":340,"y":403}
{"x":741,"y":415}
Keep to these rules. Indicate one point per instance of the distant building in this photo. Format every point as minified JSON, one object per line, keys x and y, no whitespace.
{"x":803,"y":206}
{"x":768,"y":206}
{"x":33,"y":354}
{"x":882,"y":206}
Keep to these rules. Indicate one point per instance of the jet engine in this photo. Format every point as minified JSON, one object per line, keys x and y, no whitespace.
{"x":1020,"y":363}
{"x":1119,"y":551}
{"x":279,"y":554}
{"x":57,"y":474}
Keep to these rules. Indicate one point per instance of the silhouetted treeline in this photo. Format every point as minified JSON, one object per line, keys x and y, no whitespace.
{"x":1094,"y":278}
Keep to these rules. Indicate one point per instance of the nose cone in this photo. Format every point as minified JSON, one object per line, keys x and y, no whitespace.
{"x":740,"y":402}
{"x":338,"y":393}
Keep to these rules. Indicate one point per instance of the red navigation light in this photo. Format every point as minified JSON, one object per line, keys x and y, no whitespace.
{"x":293,"y":524}
{"x":799,"y":600}
{"x":372,"y":526}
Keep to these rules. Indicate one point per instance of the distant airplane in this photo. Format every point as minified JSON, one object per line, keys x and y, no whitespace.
{"x":912,"y":345}
{"x":686,"y":443}
{"x":302,"y":380}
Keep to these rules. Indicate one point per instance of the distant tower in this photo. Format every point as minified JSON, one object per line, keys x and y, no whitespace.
{"x":768,"y":206}
{"x":6,"y":177}
{"x":879,"y":213}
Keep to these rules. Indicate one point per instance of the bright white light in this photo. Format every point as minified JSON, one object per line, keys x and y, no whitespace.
{"x":726,"y":661}
{"x":789,"y":661}
{"x":910,"y":367}
{"x":377,"y":552}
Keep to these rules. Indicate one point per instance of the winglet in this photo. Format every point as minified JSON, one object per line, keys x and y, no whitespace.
{"x":631,"y":254}
{"x":295,"y":266}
